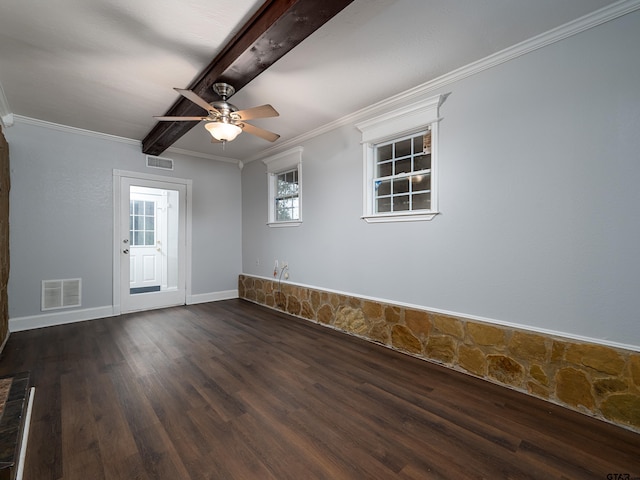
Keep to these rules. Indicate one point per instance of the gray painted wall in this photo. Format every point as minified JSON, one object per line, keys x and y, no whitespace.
{"x":61,"y":214}
{"x":539,"y":193}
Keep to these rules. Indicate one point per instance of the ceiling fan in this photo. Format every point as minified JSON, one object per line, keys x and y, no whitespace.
{"x":224,"y":121}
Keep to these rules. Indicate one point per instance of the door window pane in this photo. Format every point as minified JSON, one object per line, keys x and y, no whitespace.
{"x":142,"y":223}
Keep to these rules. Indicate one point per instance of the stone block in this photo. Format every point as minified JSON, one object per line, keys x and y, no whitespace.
{"x":606,"y":386}
{"x":353,"y":302}
{"x":307,"y":311}
{"x":392,"y":314}
{"x":403,"y":339}
{"x":599,"y":357}
{"x":250,"y":294}
{"x":441,"y":348}
{"x":488,"y":335}
{"x":538,"y":374}
{"x":418,"y":322}
{"x":315,"y":299}
{"x":281,"y":300}
{"x":528,"y":347}
{"x":447,"y":325}
{"x":472,"y":360}
{"x":634,"y":366}
{"x":380,"y":332}
{"x":328,"y":297}
{"x":623,"y":408}
{"x":351,"y":320}
{"x":270,"y":301}
{"x":557,"y":350}
{"x":538,"y":390}
{"x":294,"y":307}
{"x":325,"y":314}
{"x":372,"y":310}
{"x":573,"y":388}
{"x":505,"y":370}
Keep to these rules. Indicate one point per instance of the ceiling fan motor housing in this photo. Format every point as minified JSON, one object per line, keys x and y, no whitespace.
{"x":223,"y":89}
{"x":226,"y":110}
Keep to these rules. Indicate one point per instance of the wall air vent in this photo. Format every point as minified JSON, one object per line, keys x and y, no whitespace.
{"x":61,"y":293}
{"x":159,"y":162}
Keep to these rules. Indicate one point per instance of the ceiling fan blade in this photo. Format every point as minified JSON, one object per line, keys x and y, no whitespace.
{"x":196,"y":99}
{"x":263,"y":111}
{"x":260,"y":132}
{"x":179,"y":119}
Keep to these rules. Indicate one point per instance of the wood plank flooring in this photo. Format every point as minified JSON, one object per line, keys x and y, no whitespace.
{"x":231,"y":390}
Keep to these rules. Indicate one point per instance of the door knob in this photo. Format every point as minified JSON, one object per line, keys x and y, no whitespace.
{"x":125,"y":251}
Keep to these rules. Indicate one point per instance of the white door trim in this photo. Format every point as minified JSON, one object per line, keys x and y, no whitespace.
{"x":117,"y":176}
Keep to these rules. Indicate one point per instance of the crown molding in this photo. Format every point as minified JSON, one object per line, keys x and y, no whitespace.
{"x":74,"y":130}
{"x":603,"y":15}
{"x":114,"y":138}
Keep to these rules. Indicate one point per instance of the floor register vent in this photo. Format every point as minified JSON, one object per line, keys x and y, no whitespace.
{"x":162,"y":163}
{"x":61,"y":293}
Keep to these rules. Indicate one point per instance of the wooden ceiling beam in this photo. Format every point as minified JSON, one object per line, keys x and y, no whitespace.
{"x":275,"y":29}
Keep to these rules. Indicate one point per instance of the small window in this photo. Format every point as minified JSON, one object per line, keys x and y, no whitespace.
{"x":285,"y":188}
{"x":400,"y":163}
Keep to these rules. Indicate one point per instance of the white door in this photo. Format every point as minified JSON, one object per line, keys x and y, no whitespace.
{"x":152,"y":242}
{"x":147,"y":235}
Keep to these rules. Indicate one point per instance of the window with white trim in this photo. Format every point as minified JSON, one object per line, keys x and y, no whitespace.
{"x":400,"y":163}
{"x":285,"y":188}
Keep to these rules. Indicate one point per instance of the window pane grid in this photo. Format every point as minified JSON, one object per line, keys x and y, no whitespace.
{"x":142,"y":219}
{"x":287,"y":196}
{"x":403,"y":168}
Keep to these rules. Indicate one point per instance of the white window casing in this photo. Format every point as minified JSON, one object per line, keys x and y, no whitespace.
{"x":393,"y":125}
{"x":276,"y":164}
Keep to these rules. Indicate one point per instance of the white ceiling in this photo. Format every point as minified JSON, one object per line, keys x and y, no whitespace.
{"x":109,"y":65}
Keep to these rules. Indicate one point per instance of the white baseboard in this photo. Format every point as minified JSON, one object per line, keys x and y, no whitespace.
{"x":71,"y":316}
{"x":58,"y":318}
{"x":212,"y":297}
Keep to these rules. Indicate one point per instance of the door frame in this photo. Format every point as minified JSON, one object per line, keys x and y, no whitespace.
{"x":118,"y":234}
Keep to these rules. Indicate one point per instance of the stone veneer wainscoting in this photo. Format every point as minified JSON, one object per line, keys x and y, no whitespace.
{"x":594,"y":379}
{"x":5,"y":184}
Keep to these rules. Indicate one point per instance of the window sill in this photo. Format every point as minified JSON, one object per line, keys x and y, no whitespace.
{"x":403,"y":217}
{"x":296,"y":223}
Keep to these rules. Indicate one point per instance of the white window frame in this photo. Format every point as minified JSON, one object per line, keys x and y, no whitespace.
{"x":276,"y":164}
{"x":394,"y":125}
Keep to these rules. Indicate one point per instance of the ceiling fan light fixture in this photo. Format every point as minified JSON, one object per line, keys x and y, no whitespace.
{"x":225,"y":132}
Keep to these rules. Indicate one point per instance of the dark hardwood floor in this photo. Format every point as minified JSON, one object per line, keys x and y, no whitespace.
{"x":231,"y":390}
